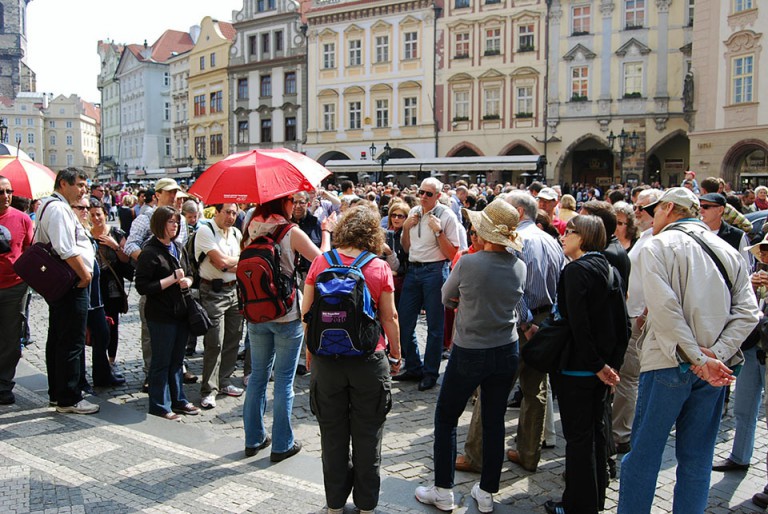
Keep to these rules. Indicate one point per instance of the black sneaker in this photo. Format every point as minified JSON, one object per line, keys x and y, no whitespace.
{"x":7,"y":398}
{"x":516,"y":401}
{"x":250,"y":452}
{"x":301,"y":370}
{"x":279,"y":457}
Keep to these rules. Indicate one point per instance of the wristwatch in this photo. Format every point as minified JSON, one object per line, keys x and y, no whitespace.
{"x":439,"y":233}
{"x":394,"y":362}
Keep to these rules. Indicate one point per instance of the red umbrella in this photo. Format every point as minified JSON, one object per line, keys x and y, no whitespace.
{"x":258,"y":176}
{"x":28,"y":178}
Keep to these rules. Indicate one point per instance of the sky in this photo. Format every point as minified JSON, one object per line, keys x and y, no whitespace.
{"x":62,"y":35}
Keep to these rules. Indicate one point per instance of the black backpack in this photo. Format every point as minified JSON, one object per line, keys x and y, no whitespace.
{"x":196,"y":260}
{"x":342,"y":320}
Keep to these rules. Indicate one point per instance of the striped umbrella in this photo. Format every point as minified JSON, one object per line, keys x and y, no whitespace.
{"x":28,"y":178}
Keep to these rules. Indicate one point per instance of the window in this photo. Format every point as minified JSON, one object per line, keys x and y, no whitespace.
{"x":266,"y":131}
{"x":278,"y":41}
{"x":461,"y":4}
{"x":216,"y":102}
{"x":409,"y":111}
{"x":382,"y":48}
{"x":461,"y":105}
{"x":690,"y":12}
{"x":167,"y":146}
{"x":411,"y":49}
{"x":52,"y":124}
{"x":53,"y":139}
{"x":382,"y":113}
{"x":242,"y":132}
{"x":253,"y":48}
{"x":212,"y":58}
{"x":265,"y":5}
{"x":199,"y":105}
{"x":524,"y":102}
{"x":216,"y":144}
{"x":70,"y":159}
{"x":491,"y":103}
{"x":634,"y":13}
{"x":68,"y":124}
{"x":31,"y":138}
{"x":200,"y":146}
{"x":354,"y":115}
{"x":633,"y":79}
{"x":329,"y":55}
{"x":266,"y":85}
{"x":30,"y":122}
{"x":17,"y":121}
{"x":492,"y":41}
{"x":579,"y":83}
{"x":742,"y":5}
{"x":290,"y":129}
{"x":242,"y":89}
{"x":70,"y":141}
{"x":166,"y":79}
{"x":461,"y":48}
{"x":329,"y":116}
{"x":742,"y":78}
{"x":525,"y":38}
{"x":202,"y":62}
{"x":264,"y":44}
{"x":355,"y":51}
{"x":167,"y":111}
{"x":581,"y":20}
{"x":290,"y":83}
{"x":52,"y":158}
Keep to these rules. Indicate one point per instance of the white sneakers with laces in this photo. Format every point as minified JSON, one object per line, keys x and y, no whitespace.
{"x":440,"y":497}
{"x":81,"y":407}
{"x":484,"y":499}
{"x":231,"y":390}
{"x":209,"y":401}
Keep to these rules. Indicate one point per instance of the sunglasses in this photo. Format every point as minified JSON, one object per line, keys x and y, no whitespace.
{"x":398,"y":216}
{"x":650,"y":209}
{"x":570,"y":231}
{"x":79,"y":207}
{"x":621,"y":223}
{"x":472,"y":232}
{"x":6,"y":191}
{"x":429,"y":194}
{"x":706,"y":206}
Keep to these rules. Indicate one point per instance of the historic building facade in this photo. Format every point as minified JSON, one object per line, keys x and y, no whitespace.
{"x":729,"y":137}
{"x":15,"y":75}
{"x":618,"y":67}
{"x":371,"y":73}
{"x":109,"y":54}
{"x":268,"y":93}
{"x":25,"y":118}
{"x":71,"y":134}
{"x":180,"y":146}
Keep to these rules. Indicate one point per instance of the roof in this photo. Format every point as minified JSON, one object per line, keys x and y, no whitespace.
{"x":227,"y":30}
{"x":172,"y":42}
{"x":92,"y":111}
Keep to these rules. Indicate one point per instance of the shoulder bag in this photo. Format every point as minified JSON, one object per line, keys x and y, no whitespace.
{"x":119,"y":283}
{"x":546,"y":350}
{"x":197,"y":317}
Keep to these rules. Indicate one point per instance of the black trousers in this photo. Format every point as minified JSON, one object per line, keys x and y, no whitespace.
{"x":582,"y":409}
{"x":65,"y":345}
{"x":351,"y":398}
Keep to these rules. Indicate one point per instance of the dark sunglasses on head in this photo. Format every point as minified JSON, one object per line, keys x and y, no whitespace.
{"x":429,"y":194}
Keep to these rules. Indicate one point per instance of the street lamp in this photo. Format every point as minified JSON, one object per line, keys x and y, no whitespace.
{"x":3,"y":131}
{"x":623,"y":137}
{"x":383,"y":158}
{"x":200,"y":154}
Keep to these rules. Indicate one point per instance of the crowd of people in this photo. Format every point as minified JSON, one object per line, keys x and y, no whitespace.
{"x":649,"y":344}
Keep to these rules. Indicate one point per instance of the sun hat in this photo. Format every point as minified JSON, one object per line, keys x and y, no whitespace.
{"x":166,"y":184}
{"x":755,"y":248}
{"x":496,"y":224}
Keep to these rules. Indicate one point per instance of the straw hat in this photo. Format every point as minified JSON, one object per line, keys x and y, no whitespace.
{"x":755,"y":249}
{"x":496,"y":224}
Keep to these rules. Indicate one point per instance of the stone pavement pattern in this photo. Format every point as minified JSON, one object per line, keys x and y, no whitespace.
{"x":122,"y":460}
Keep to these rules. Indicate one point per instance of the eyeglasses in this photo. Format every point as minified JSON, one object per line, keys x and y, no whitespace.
{"x":706,"y":206}
{"x":79,"y":207}
{"x":621,"y":223}
{"x":570,"y":231}
{"x":6,"y":191}
{"x":472,"y":232}
{"x":300,"y":202}
{"x":172,"y":222}
{"x":429,"y":194}
{"x":398,"y":216}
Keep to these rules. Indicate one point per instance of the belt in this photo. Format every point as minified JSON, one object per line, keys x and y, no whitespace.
{"x":223,"y":284}
{"x":421,"y":264}
{"x":539,"y":310}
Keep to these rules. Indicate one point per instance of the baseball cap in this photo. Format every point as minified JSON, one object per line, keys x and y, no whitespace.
{"x":715,"y":198}
{"x":677,"y":195}
{"x":166,"y":184}
{"x":548,"y":193}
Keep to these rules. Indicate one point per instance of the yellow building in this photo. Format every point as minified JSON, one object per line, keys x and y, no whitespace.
{"x":730,"y":123}
{"x":491,"y":79}
{"x":618,"y":66}
{"x":208,"y":99}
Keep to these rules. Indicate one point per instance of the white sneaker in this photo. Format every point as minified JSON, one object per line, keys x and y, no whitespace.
{"x":81,"y":407}
{"x":208,"y":402}
{"x":231,"y":390}
{"x":484,"y":500}
{"x":439,"y":497}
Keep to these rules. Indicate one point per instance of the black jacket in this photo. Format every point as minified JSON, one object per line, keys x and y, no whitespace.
{"x":617,"y":256}
{"x":154,"y":264}
{"x":594,"y":305}
{"x":730,"y":235}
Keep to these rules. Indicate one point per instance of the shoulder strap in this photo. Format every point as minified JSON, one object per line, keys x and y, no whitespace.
{"x":333,"y":258}
{"x":708,"y":251}
{"x":281,"y":231}
{"x":364,"y":258}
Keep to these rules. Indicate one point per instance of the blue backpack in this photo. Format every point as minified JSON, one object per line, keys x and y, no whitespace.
{"x":342,"y":320}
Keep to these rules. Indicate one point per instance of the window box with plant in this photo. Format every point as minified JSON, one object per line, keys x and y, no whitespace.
{"x":526,"y":48}
{"x":580,"y":33}
{"x":634,"y":94}
{"x":491,"y":117}
{"x":524,"y":115}
{"x":492,"y":51}
{"x":579,"y":98}
{"x":461,"y":118}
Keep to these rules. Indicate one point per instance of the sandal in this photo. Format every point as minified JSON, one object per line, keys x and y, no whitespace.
{"x":188,"y":408}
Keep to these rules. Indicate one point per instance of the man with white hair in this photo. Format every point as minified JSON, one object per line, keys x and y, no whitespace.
{"x":431,"y":236}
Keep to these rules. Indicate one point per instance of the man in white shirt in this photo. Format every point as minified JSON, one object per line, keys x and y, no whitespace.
{"x":57,"y":224}
{"x":218,"y":295}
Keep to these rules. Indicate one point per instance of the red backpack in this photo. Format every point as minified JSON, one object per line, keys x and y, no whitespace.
{"x":265,"y":293}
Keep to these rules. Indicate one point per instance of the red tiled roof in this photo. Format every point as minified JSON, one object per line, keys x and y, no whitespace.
{"x":227,"y":30}
{"x":170,"y":43}
{"x":91,"y":111}
{"x":8,"y":102}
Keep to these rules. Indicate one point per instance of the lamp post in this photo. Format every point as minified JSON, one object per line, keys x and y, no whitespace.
{"x":383,"y":158}
{"x":200,"y":154}
{"x":623,"y":137}
{"x":3,"y":131}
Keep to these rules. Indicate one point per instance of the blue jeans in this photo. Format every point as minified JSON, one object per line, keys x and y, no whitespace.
{"x":668,"y":397}
{"x":493,"y":370}
{"x":422,"y":287}
{"x":166,"y":379}
{"x":272,"y":345}
{"x":750,"y":384}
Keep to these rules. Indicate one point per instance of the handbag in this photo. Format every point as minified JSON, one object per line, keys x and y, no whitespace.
{"x":197,"y":317}
{"x":44,"y":271}
{"x":120,"y":287}
{"x":547,"y":349}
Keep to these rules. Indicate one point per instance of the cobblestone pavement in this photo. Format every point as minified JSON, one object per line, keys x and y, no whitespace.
{"x":123,"y":461}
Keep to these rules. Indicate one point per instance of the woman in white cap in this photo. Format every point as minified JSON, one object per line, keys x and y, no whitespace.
{"x":485,"y":351}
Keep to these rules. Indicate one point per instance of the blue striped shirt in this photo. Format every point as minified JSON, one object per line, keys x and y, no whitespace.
{"x":544,"y":260}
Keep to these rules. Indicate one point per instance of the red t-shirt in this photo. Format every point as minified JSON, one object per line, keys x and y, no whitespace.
{"x":378,"y":278}
{"x":16,"y":229}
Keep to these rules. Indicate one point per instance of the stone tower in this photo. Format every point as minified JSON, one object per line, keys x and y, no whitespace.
{"x":15,"y":75}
